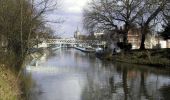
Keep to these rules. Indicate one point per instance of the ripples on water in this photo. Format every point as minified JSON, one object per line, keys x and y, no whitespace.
{"x":68,"y":74}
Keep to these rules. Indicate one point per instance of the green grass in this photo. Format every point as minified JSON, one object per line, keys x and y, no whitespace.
{"x":158,"y":58}
{"x":9,"y":86}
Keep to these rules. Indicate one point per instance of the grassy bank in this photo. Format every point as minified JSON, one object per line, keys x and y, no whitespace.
{"x":9,"y":85}
{"x":152,"y":57}
{"x":12,"y":85}
{"x":157,"y":58}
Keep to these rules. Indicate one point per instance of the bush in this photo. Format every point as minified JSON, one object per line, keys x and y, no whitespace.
{"x":125,"y":46}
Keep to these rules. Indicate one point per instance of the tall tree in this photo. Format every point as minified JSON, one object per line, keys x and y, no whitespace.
{"x":166,"y":32}
{"x":166,"y":26}
{"x":21,"y":20}
{"x":111,"y":14}
{"x":152,"y":10}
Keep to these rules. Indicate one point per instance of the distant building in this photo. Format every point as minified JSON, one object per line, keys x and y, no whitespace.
{"x":134,"y":38}
{"x":77,"y":34}
{"x":98,"y":35}
{"x":155,"y":41}
{"x":168,"y":43}
{"x":164,"y":43}
{"x":152,"y":40}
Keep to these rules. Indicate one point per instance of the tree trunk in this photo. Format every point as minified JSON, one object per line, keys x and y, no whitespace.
{"x":143,"y":38}
{"x":142,"y":45}
{"x":125,"y":39}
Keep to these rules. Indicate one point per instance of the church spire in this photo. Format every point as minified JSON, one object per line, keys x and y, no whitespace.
{"x":77,"y":29}
{"x":77,"y":33}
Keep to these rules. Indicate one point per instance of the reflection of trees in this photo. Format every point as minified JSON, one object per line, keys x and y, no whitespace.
{"x":165,"y":91}
{"x":126,"y":82}
{"x":133,"y":87}
{"x":123,"y":71}
{"x":96,"y":89}
{"x":143,"y":86}
{"x":125,"y":86}
{"x":112,"y":84}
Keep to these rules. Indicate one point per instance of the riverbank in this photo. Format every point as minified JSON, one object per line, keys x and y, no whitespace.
{"x":14,"y":85}
{"x":84,"y":49}
{"x":9,"y":85}
{"x":156,"y":57}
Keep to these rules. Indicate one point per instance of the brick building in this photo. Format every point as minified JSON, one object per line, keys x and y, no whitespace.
{"x":134,"y":38}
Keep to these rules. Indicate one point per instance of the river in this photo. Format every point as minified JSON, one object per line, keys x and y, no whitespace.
{"x":69,"y":74}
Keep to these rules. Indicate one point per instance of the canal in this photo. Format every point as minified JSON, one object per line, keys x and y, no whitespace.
{"x":69,"y":74}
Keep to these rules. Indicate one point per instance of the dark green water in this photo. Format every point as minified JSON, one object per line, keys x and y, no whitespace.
{"x":69,"y":74}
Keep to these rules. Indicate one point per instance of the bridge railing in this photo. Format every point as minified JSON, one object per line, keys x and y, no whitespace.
{"x":74,"y":41}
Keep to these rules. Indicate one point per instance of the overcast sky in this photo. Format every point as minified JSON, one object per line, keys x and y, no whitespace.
{"x":71,"y":12}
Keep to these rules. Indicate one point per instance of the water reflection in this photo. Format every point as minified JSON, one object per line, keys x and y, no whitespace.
{"x":69,"y":74}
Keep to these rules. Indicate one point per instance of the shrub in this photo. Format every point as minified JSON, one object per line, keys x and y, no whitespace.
{"x":125,"y":46}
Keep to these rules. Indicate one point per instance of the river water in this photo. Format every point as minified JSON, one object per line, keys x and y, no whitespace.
{"x":69,"y":74}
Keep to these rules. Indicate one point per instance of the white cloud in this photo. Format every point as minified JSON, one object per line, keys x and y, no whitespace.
{"x":71,"y":12}
{"x":74,"y":6}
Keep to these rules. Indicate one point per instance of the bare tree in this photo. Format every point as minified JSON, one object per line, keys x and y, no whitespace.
{"x":20,"y":21}
{"x":111,"y":14}
{"x":152,"y":10}
{"x":166,"y":25}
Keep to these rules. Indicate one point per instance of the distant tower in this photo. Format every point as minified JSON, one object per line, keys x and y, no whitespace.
{"x":77,"y":34}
